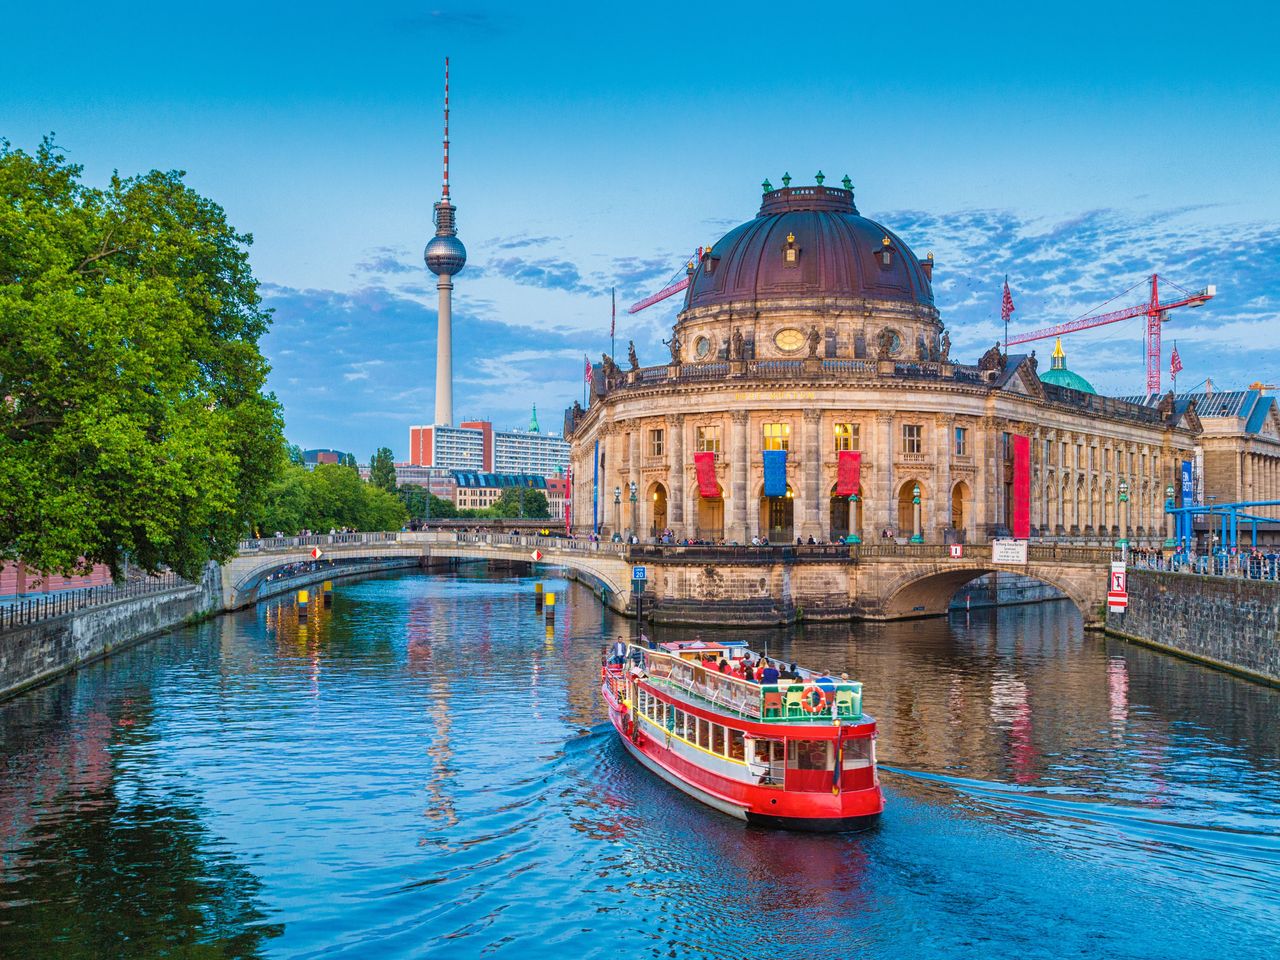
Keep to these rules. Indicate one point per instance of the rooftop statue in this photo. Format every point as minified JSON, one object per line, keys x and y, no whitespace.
{"x":631,"y":355}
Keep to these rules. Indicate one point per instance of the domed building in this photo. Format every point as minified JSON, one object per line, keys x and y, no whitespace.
{"x":811,"y":392}
{"x":1060,"y":376}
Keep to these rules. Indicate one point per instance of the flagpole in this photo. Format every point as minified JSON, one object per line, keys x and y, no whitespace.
{"x":1006,"y":315}
{"x":613,"y":322}
{"x":585,"y":360}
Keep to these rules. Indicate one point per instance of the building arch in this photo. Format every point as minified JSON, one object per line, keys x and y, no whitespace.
{"x":656,"y":505}
{"x":845,"y":516}
{"x":776,"y":519}
{"x":961,"y":505}
{"x":710,"y":523}
{"x":906,"y":508}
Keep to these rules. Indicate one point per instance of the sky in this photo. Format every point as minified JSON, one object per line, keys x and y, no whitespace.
{"x":1076,"y":149}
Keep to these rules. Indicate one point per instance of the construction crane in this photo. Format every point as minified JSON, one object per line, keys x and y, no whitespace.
{"x":1154,"y":310}
{"x":677,"y":283}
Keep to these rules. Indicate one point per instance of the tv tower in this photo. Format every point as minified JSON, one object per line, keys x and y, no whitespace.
{"x":445,"y":256}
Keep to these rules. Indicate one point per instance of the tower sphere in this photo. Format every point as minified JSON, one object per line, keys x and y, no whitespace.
{"x":445,"y":255}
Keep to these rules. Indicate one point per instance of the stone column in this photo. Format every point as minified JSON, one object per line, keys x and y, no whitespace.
{"x":631,"y":516}
{"x":883,"y":510}
{"x":810,"y":525}
{"x":736,"y":526}
{"x":675,"y":473}
{"x":940,"y":514}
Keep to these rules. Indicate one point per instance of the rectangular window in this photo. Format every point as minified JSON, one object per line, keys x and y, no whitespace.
{"x":847,"y":437}
{"x":655,"y":443}
{"x":912,"y":438}
{"x":962,"y":441}
{"x":777,"y":436}
{"x":717,"y":739}
{"x":707,"y":439}
{"x":809,"y":755}
{"x":704,"y":734}
{"x":1091,"y":466}
{"x":1048,"y":452}
{"x":737,"y":745}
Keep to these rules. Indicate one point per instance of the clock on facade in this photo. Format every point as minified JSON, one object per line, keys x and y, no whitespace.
{"x":789,"y":340}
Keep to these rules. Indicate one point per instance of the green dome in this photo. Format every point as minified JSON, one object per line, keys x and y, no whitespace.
{"x":1060,"y":376}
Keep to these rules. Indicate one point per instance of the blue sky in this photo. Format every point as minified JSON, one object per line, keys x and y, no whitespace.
{"x":1076,"y":149}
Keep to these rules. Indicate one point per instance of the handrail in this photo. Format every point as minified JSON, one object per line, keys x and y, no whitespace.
{"x":20,"y":612}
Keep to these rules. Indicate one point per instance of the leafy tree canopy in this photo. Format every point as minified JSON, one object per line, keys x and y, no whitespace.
{"x":425,"y":506}
{"x":382,"y":470}
{"x":133,"y":421}
{"x":508,"y":504}
{"x":329,"y":497}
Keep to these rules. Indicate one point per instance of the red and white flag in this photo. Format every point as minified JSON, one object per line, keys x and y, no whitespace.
{"x":1006,"y":305}
{"x":1175,"y":362}
{"x":587,"y":376}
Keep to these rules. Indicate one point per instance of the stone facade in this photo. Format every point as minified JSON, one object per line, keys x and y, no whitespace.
{"x":1224,"y":621}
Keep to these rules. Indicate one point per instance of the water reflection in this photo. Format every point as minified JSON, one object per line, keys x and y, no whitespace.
{"x":426,"y":768}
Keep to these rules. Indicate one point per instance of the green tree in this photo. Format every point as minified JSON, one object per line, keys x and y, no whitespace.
{"x":349,"y":460}
{"x":329,"y":497}
{"x":423,"y":505}
{"x":133,"y":422}
{"x":509,"y":504}
{"x":294,"y":453}
{"x":382,"y":470}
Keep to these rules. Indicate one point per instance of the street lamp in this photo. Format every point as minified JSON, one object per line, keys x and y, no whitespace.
{"x":1170,"y":539}
{"x":852,"y":536}
{"x":916,"y":535}
{"x":1123,"y":542}
{"x":633,"y":506}
{"x":617,"y":513}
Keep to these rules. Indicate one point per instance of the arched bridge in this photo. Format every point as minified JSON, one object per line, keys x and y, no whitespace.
{"x":699,"y":584}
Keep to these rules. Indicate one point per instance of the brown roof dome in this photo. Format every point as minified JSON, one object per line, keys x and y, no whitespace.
{"x":808,"y":242}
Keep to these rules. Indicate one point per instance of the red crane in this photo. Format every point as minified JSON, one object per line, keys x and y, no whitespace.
{"x":1154,"y":310}
{"x":676,"y":284}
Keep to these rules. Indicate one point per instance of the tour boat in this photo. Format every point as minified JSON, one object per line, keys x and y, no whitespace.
{"x":797,"y":754}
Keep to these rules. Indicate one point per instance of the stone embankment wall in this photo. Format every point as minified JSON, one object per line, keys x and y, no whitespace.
{"x":39,"y":651}
{"x":1227,"y":622}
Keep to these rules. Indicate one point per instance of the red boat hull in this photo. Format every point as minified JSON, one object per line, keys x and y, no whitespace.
{"x":855,"y":805}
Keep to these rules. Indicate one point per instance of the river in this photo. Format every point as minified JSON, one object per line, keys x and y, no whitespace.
{"x":425,"y":770}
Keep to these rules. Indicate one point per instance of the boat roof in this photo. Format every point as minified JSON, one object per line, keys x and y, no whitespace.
{"x":686,"y":646}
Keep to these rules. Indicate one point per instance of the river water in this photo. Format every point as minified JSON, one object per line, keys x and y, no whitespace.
{"x":424,"y":770}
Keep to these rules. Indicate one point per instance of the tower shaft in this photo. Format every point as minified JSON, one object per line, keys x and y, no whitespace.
{"x":444,"y":351}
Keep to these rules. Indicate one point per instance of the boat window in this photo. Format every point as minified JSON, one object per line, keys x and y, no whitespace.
{"x":809,"y":755}
{"x":717,"y":739}
{"x":857,"y":753}
{"x":642,"y":698}
{"x":704,"y":734}
{"x":737,"y":749}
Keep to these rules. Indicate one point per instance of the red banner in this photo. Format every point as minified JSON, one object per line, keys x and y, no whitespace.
{"x":705,"y":464}
{"x":1021,"y":487}
{"x":849,"y":472}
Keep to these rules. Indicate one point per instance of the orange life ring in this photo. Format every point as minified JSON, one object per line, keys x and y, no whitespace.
{"x":806,"y":700}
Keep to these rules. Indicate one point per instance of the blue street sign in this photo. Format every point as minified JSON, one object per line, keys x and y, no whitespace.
{"x":638,"y":573}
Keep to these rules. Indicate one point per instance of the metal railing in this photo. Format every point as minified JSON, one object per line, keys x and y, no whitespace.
{"x":1245,"y":566}
{"x":272,"y":544}
{"x":20,"y":612}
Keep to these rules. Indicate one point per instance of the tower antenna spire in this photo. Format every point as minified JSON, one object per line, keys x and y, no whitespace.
{"x":445,"y":190}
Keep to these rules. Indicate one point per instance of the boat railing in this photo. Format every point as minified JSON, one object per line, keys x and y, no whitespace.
{"x":768,"y":703}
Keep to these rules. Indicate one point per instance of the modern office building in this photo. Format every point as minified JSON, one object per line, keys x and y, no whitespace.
{"x":475,"y":445}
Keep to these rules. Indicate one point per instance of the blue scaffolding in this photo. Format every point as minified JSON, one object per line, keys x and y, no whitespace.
{"x":1229,"y":517}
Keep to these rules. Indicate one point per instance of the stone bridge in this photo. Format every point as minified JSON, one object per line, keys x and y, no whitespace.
{"x":706,"y":585}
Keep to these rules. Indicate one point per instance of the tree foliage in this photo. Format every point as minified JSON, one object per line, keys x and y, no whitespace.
{"x":425,"y":506}
{"x":508,"y":504}
{"x":330,"y":497}
{"x":133,"y":421}
{"x":382,"y":470}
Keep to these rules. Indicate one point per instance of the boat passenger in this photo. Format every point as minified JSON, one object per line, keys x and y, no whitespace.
{"x":791,"y":673}
{"x":826,"y":684}
{"x":723,"y":665}
{"x":768,"y":672}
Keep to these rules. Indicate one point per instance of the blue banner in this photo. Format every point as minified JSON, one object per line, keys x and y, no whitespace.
{"x":1187,"y":488}
{"x":775,"y":473}
{"x":595,"y":491}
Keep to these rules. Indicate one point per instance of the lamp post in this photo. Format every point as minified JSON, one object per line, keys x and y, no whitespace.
{"x":1170,"y":540}
{"x":617,"y":512}
{"x":916,"y":536}
{"x":1123,"y":542}
{"x":633,"y":508}
{"x":853,"y":536}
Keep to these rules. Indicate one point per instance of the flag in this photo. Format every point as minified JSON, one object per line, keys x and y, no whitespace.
{"x":1006,"y":305}
{"x":587,"y":376}
{"x":613,"y":317}
{"x":1175,"y":362}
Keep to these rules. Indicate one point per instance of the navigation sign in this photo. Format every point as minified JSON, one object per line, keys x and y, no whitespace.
{"x":316,"y":553}
{"x":639,"y":573}
{"x":536,"y":555}
{"x":1009,"y":551}
{"x":957,"y":551}
{"x":1118,"y":592}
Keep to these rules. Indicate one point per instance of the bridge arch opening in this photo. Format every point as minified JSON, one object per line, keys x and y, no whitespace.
{"x":931,"y":594}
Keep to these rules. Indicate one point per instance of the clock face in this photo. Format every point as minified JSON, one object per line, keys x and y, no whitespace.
{"x":701,"y":347}
{"x":789,"y":340}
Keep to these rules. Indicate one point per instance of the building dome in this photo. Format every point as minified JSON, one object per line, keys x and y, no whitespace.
{"x":809,"y":242}
{"x":1060,"y":376}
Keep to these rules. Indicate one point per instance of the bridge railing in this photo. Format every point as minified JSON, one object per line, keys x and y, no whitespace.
{"x":531,"y":541}
{"x":275,"y":544}
{"x":1222,"y":566}
{"x":19,"y":612}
